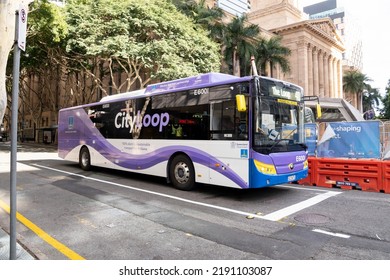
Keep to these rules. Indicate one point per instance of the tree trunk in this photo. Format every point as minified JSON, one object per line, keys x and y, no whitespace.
{"x":268,"y":69}
{"x":236,"y":64}
{"x":7,"y":34}
{"x":361,"y":102}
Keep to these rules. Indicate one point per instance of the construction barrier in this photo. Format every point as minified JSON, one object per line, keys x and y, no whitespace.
{"x":350,"y":156}
{"x":386,"y":176}
{"x":359,"y":174}
{"x":310,"y":179}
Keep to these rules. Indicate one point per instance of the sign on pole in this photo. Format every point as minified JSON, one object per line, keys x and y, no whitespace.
{"x":22,"y":30}
{"x":20,"y":44}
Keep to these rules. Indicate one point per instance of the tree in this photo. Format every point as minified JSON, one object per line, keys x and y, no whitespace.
{"x":47,"y":31}
{"x":41,"y":62}
{"x":239,"y":42}
{"x":271,"y":52}
{"x":209,"y":18}
{"x":356,"y":83}
{"x":7,"y":33}
{"x":385,"y":111}
{"x":143,"y":40}
{"x":371,"y":101}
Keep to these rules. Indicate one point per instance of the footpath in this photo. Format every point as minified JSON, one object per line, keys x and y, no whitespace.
{"x":25,"y":150}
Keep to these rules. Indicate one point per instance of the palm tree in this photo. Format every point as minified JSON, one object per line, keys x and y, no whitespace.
{"x":355,"y":82}
{"x":385,"y":111}
{"x":239,"y":42}
{"x":271,"y":52}
{"x":371,"y":100}
{"x":209,"y":18}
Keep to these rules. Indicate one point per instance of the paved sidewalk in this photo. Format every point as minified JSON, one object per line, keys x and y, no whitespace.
{"x":21,"y":253}
{"x":25,"y":151}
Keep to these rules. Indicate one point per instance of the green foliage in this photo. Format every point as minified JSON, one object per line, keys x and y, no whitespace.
{"x":239,"y":42}
{"x":208,"y":18}
{"x":149,"y":36}
{"x":240,"y":39}
{"x":385,"y":111}
{"x":355,"y":82}
{"x":272,"y":51}
{"x":371,"y":98}
{"x":47,"y":29}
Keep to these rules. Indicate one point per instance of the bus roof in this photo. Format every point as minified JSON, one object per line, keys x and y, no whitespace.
{"x":199,"y":81}
{"x":129,"y":94}
{"x":194,"y":82}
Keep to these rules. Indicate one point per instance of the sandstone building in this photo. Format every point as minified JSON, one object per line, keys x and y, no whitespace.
{"x":316,"y":48}
{"x":347,"y":26}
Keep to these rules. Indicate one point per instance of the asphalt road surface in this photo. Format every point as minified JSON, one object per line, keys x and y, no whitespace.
{"x":66,"y":213}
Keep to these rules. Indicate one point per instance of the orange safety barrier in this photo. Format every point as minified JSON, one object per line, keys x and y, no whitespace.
{"x":309,"y":180}
{"x":359,"y":174}
{"x":386,"y":176}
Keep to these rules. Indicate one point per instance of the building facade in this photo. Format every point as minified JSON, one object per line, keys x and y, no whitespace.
{"x":316,"y":58}
{"x":347,"y":26}
{"x":316,"y":47}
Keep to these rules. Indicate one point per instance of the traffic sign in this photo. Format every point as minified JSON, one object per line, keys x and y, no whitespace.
{"x":22,"y":27}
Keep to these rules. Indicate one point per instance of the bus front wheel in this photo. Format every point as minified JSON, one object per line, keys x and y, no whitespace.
{"x":182,"y":173}
{"x":85,"y":159}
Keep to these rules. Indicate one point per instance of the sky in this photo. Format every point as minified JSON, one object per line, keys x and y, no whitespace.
{"x":374,"y":19}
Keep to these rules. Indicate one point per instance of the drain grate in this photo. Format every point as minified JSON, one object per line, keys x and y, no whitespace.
{"x":311,"y":218}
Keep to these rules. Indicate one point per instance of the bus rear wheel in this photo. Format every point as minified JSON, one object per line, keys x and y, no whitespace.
{"x":85,"y":159}
{"x":182,"y":173}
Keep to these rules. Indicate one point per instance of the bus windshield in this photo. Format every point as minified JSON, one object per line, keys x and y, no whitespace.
{"x":277,"y":122}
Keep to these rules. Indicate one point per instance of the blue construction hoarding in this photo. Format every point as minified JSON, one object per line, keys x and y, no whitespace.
{"x":350,"y":140}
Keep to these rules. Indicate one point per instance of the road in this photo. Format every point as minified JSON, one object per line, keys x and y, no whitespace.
{"x":103,"y":214}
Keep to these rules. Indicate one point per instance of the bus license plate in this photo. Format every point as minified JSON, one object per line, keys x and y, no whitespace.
{"x":291,"y":178}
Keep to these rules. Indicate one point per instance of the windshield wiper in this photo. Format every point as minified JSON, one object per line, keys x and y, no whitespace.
{"x":281,"y":139}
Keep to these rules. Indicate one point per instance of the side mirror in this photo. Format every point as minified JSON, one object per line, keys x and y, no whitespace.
{"x":241,"y":103}
{"x":319,"y":113}
{"x":314,"y":98}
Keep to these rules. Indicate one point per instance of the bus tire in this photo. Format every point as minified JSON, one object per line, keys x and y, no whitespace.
{"x":85,"y":159}
{"x":182,"y":173}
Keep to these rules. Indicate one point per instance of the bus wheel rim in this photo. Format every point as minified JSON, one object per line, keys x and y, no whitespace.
{"x":85,"y":159}
{"x":182,"y":173}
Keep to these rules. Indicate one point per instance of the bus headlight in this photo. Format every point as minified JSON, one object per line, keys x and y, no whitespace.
{"x":265,"y":168}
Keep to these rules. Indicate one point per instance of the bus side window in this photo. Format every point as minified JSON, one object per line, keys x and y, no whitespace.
{"x":216,"y":121}
{"x":223,"y":120}
{"x":227,"y":123}
{"x":191,"y":122}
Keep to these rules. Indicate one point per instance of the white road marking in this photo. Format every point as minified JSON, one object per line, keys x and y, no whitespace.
{"x":301,"y":188}
{"x":152,"y":192}
{"x":275,"y":216}
{"x":332,"y":233}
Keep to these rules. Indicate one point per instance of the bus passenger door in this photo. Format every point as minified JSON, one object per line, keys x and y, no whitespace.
{"x":229,"y":146}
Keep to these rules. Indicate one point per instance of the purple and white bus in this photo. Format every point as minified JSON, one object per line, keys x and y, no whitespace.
{"x":240,"y":132}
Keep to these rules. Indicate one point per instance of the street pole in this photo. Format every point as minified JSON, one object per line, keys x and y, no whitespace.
{"x":14,"y":140}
